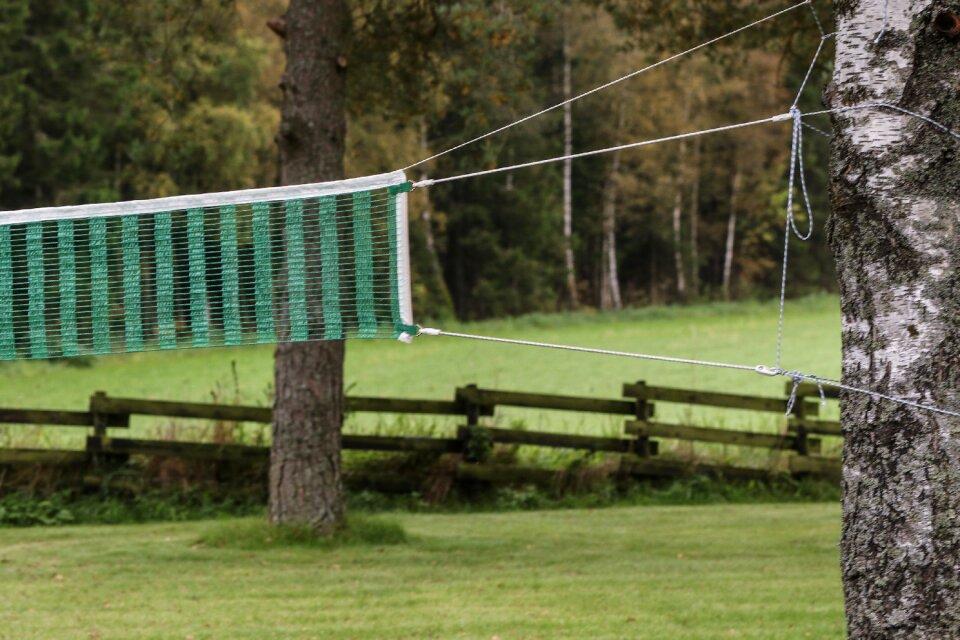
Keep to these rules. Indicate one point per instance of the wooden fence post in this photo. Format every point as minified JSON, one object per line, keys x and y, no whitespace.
{"x":804,"y":407}
{"x":643,"y":410}
{"x":99,"y":417}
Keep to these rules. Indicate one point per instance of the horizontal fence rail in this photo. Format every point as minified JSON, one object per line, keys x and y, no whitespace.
{"x":638,"y":445}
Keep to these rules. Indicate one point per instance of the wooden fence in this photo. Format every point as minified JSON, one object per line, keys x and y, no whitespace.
{"x":638,"y":446}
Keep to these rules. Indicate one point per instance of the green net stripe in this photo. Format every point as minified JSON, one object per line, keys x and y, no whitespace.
{"x":68,"y":288}
{"x":166,"y":316}
{"x":8,"y":350}
{"x":330,"y":270}
{"x":263,"y":266}
{"x":232,"y":331}
{"x":133,"y":329}
{"x":280,"y":270}
{"x":99,"y":285}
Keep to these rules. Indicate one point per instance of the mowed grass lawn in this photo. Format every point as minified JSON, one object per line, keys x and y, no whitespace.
{"x":746,"y":571}
{"x":432,"y":367}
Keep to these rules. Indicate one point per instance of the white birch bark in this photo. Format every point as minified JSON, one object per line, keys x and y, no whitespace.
{"x":731,"y":229}
{"x":896,"y":236}
{"x":609,"y":279}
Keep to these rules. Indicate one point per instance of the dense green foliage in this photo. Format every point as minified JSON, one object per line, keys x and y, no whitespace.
{"x":32,"y":508}
{"x":28,"y":509}
{"x":102,"y":101}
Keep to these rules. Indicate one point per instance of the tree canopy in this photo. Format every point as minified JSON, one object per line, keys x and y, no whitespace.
{"x":107,"y":101}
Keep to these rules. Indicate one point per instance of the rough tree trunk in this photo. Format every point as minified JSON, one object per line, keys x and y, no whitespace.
{"x":574,"y":298}
{"x":609,"y":279}
{"x":895,"y":233}
{"x":305,"y":482}
{"x":731,"y":229}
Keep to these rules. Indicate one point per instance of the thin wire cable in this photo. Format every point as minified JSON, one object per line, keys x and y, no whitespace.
{"x":760,"y":369}
{"x":796,"y":164}
{"x":816,"y":18}
{"x":813,"y":63}
{"x":778,"y":118}
{"x":605,"y":352}
{"x":818,"y":131}
{"x":887,"y":105}
{"x":611,"y":83}
{"x":886,"y":18}
{"x":820,"y":381}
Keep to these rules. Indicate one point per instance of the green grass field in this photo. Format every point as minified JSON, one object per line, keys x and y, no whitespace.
{"x":432,"y":367}
{"x":746,"y":571}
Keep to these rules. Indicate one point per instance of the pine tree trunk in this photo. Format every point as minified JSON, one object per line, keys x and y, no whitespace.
{"x":609,"y":279}
{"x":895,"y":233}
{"x":731,"y":230}
{"x":571,"y":272}
{"x":305,"y":480}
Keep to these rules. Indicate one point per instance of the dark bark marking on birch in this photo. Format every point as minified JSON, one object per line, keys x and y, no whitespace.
{"x":894,"y":233}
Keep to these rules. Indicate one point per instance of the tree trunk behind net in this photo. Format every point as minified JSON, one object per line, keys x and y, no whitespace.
{"x":896,"y":236}
{"x":305,"y":480}
{"x":568,"y":259}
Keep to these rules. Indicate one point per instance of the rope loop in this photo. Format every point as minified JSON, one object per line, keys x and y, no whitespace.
{"x":796,"y":167}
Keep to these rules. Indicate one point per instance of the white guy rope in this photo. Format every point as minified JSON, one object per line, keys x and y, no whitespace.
{"x":796,"y":376}
{"x":424,"y":331}
{"x":796,"y":163}
{"x":886,"y":18}
{"x":613,"y":82}
{"x":816,"y":18}
{"x":783,"y":117}
{"x":813,"y":63}
{"x":893,"y":107}
{"x":817,"y":130}
{"x":203,"y":200}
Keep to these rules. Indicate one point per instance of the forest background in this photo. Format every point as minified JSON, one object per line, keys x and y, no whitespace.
{"x":103,"y":101}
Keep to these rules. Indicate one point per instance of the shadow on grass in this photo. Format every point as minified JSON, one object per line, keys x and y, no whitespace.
{"x":255,"y":534}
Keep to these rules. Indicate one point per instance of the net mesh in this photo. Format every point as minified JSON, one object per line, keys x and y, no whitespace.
{"x":323,"y":267}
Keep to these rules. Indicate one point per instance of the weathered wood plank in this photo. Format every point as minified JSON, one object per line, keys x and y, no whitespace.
{"x":109,"y":405}
{"x":205,"y":411}
{"x":707,"y":434}
{"x":709,"y":398}
{"x":493,"y":398}
{"x":556,"y":440}
{"x":401,"y":443}
{"x":186,"y":450}
{"x":42,"y":456}
{"x":508,"y":474}
{"x":366,"y":404}
{"x":830,"y":468}
{"x":665,"y":467}
{"x":821,"y":427}
{"x":57,"y":418}
{"x":235,"y":452}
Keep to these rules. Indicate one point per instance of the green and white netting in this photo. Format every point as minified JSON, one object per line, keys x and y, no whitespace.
{"x":324,"y":261}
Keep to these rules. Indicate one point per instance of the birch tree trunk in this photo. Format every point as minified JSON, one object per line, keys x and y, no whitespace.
{"x":677,"y":246}
{"x":731,"y":229}
{"x":895,"y":233}
{"x":695,"y":219}
{"x":305,"y":480}
{"x":609,"y":279}
{"x":574,"y":298}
